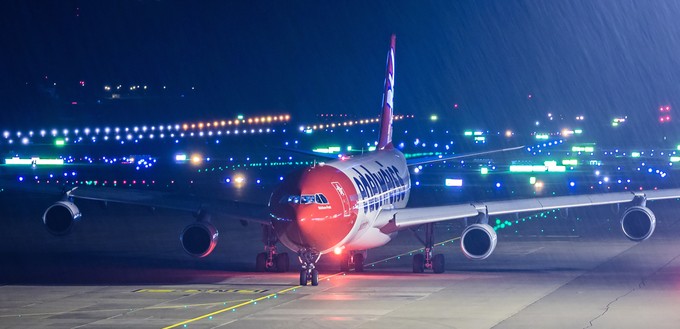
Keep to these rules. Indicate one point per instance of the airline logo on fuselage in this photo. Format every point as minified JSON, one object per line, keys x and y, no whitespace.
{"x":384,"y":186}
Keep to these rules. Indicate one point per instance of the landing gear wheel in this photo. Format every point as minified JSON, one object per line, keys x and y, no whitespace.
{"x":438,"y":263}
{"x":344,"y":263}
{"x":261,"y":262}
{"x":418,"y":263}
{"x":315,"y":277}
{"x":358,"y":262}
{"x":282,"y":262}
{"x":303,"y":277}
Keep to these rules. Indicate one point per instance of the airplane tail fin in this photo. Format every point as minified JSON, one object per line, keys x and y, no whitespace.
{"x":385,"y":140}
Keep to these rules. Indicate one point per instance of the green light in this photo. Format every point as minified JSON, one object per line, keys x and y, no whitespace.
{"x":484,"y":170}
{"x":542,"y":136}
{"x":371,"y":148}
{"x":570,"y":162}
{"x":615,"y":124}
{"x":550,"y":163}
{"x":532,"y":180}
{"x":240,"y":117}
{"x":469,"y":133}
{"x":578,"y":131}
{"x":349,"y":148}
{"x":557,"y":169}
{"x":480,"y":138}
{"x":433,"y":117}
{"x":478,"y":133}
{"x":329,"y":149}
{"x":582,"y":149}
{"x":635,"y":154}
{"x":675,"y":158}
{"x":59,"y":142}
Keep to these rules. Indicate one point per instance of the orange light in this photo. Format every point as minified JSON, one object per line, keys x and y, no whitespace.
{"x":338,"y":250}
{"x":222,"y":123}
{"x":185,"y":126}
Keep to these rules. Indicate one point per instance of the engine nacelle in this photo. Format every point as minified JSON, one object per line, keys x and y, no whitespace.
{"x":638,"y":223}
{"x":478,"y":241}
{"x":199,"y":238}
{"x":60,"y":217}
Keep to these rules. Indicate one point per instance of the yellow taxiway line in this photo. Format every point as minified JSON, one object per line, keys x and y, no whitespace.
{"x":254,"y":301}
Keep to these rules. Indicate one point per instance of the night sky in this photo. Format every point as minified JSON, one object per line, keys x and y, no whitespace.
{"x":592,"y":58}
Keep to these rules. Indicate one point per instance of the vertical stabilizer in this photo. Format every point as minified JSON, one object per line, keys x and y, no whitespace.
{"x":385,"y":140}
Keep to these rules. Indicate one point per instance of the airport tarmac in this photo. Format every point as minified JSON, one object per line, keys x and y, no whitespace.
{"x":123,"y":267}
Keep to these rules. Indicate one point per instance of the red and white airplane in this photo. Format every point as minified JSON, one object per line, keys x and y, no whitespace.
{"x":353,"y":204}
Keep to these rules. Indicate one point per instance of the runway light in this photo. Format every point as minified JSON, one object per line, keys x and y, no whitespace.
{"x":457,"y":182}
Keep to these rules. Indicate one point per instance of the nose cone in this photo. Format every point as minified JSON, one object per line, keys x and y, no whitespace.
{"x":314,"y":208}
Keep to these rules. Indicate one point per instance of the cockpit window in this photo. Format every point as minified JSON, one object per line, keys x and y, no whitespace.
{"x":321,"y":199}
{"x":305,"y":199}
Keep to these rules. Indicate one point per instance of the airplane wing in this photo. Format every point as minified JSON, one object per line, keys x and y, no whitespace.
{"x":236,"y":210}
{"x":156,"y":199}
{"x":409,"y":217}
{"x":421,"y":161}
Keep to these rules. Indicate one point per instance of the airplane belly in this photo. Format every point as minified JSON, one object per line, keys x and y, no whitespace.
{"x":371,"y":238}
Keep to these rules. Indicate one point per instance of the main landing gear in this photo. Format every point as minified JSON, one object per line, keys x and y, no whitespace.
{"x":270,"y":260}
{"x":308,"y":272}
{"x":353,"y":259}
{"x":428,"y":260}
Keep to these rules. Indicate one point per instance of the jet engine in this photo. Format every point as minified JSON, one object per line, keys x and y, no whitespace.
{"x":478,"y":241}
{"x":60,"y":217}
{"x":199,"y":238}
{"x":638,"y":223}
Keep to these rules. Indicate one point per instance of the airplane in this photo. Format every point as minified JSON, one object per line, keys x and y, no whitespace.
{"x":353,"y":204}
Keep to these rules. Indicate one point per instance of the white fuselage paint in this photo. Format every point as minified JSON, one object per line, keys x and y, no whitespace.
{"x":382,"y":181}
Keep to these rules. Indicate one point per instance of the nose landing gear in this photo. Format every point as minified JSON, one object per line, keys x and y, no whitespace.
{"x":308,"y":272}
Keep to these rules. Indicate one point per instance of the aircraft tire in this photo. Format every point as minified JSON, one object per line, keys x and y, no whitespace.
{"x":315,"y":277}
{"x":261,"y":262}
{"x":344,"y":263}
{"x":303,"y":277}
{"x":282,"y":262}
{"x":358,"y":262}
{"x":438,"y":263}
{"x":418,"y":263}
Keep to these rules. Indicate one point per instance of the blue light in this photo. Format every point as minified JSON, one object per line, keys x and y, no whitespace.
{"x":498,"y":184}
{"x":571,"y":184}
{"x":21,"y":178}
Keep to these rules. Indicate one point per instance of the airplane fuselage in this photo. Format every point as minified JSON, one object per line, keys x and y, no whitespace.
{"x":336,"y":204}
